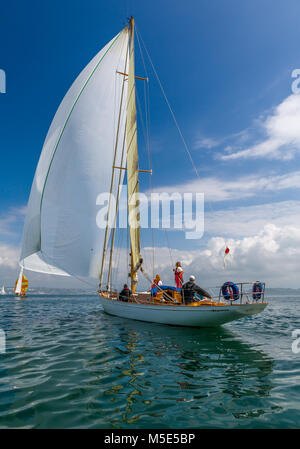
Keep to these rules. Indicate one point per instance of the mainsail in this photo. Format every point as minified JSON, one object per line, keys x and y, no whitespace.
{"x":61,"y":235}
{"x":132,"y":163}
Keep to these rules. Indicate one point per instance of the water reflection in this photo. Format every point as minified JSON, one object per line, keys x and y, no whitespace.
{"x":70,"y":365}
{"x":183,"y":377}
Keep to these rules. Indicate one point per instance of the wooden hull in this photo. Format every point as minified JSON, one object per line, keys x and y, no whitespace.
{"x":200,"y":316}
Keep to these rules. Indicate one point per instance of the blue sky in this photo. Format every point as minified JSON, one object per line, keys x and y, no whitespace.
{"x":226,"y":68}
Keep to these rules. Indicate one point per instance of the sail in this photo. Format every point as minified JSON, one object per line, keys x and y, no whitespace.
{"x":3,"y":292}
{"x":21,"y":285}
{"x":61,"y":235}
{"x":132,"y":159}
{"x":18,"y":285}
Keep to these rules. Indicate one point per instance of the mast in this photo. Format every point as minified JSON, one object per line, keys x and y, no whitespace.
{"x":132,"y":166}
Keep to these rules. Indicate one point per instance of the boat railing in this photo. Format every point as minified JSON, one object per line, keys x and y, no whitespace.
{"x":244,"y":295}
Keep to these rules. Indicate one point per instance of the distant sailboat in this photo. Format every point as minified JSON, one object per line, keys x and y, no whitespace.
{"x":21,"y":285}
{"x":91,"y":142}
{"x":2,"y":292}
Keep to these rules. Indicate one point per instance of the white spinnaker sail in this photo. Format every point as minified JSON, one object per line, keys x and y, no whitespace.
{"x":61,"y":235}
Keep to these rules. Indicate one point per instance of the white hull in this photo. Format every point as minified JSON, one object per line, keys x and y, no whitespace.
{"x":201,"y":316}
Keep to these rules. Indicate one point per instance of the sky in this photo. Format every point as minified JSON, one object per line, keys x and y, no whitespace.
{"x":226,"y":68}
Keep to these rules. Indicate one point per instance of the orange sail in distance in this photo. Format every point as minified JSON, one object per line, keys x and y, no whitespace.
{"x":24,"y":286}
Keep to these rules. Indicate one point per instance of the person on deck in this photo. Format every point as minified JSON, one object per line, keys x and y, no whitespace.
{"x":125,"y":293}
{"x":178,"y":275}
{"x":156,"y":283}
{"x":190,"y":288}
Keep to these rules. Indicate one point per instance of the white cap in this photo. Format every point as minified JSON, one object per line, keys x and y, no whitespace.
{"x":192,"y":278}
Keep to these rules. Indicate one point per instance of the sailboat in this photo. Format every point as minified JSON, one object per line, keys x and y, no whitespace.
{"x":21,"y":285}
{"x":2,"y":291}
{"x":91,"y":142}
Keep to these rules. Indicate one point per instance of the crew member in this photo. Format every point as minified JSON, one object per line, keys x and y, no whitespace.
{"x":178,"y":275}
{"x":125,"y":293}
{"x":156,"y":283}
{"x":190,"y":288}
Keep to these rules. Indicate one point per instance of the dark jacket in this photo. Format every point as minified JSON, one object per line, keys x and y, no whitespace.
{"x":189,"y":289}
{"x":124,"y":295}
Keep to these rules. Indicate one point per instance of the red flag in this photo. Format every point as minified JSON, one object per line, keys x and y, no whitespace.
{"x":227,"y":250}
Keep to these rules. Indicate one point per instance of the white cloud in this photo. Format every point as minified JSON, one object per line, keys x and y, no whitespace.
{"x":266,"y":246}
{"x":282,"y":132}
{"x":250,"y":220}
{"x":216,"y":189}
{"x":12,"y":216}
{"x":206,"y":142}
{"x":9,"y":256}
{"x":272,"y":256}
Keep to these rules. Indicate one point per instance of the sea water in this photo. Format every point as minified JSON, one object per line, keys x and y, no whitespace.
{"x":69,"y":365}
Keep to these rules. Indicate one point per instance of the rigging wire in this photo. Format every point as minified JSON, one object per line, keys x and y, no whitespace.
{"x":127,"y":252}
{"x":149,"y":152}
{"x":169,"y":106}
{"x":175,"y":121}
{"x":118,"y":254}
{"x":147,"y":121}
{"x":146,"y":275}
{"x":168,"y":244}
{"x":107,"y":232}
